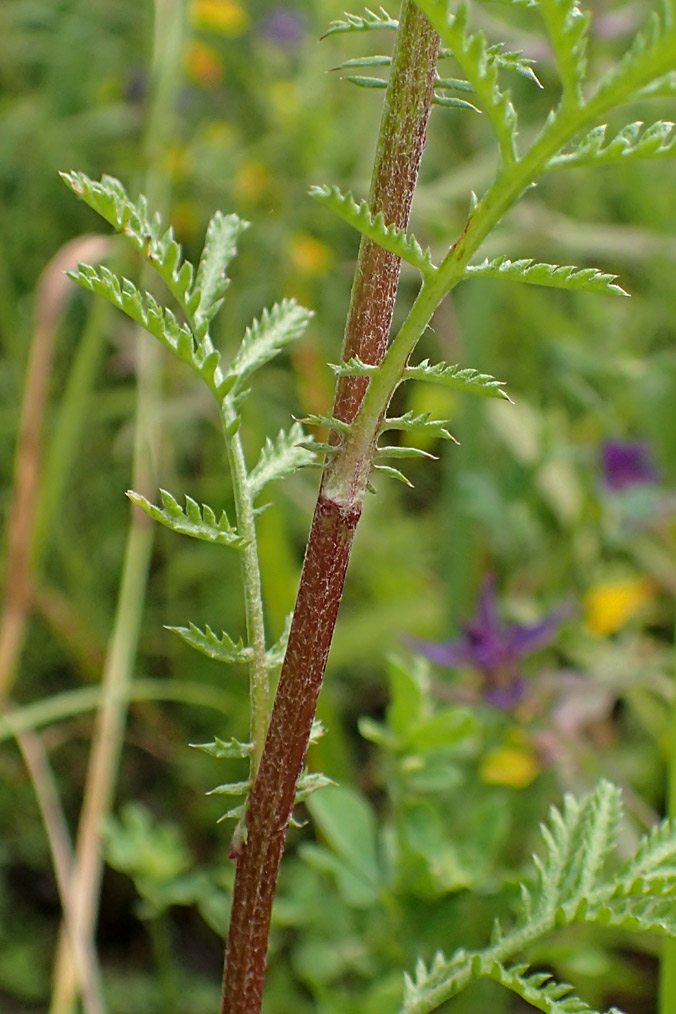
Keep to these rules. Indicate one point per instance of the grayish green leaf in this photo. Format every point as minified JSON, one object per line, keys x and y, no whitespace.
{"x":557,"y":276}
{"x":198,"y":522}
{"x":356,"y":23}
{"x":265,"y":338}
{"x":391,"y":237}
{"x":281,"y":458}
{"x":458,"y":377}
{"x":222,"y":649}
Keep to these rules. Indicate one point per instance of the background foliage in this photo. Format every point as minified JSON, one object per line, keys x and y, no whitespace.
{"x":439,"y":794}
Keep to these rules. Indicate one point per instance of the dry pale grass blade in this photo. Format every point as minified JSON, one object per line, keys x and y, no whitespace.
{"x":51,"y":298}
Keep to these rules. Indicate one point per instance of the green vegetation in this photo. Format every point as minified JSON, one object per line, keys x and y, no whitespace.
{"x":448,"y":750}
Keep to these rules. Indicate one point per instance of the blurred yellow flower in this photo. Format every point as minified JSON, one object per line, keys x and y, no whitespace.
{"x":218,"y":134}
{"x":224,"y":16}
{"x":610,"y":604}
{"x":203,"y":64}
{"x":309,"y":256}
{"x":177,"y":162}
{"x":251,"y":180}
{"x":186,"y":220}
{"x":513,"y":766}
{"x":285,"y":100}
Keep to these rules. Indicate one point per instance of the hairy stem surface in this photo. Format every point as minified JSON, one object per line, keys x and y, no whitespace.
{"x":400,"y":147}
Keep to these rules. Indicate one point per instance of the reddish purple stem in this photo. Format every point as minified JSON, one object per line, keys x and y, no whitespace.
{"x":400,"y":148}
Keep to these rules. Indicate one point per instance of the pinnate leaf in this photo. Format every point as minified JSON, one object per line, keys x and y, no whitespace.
{"x":391,"y":237}
{"x":281,"y":458}
{"x":199,"y":297}
{"x":458,"y":377}
{"x":265,"y":338}
{"x":421,"y":424}
{"x":540,"y":990}
{"x":557,"y":276}
{"x":199,"y":522}
{"x":635,"y":141}
{"x":567,"y":27}
{"x":159,"y":321}
{"x":211,"y":280}
{"x":362,"y":23}
{"x":221,"y":649}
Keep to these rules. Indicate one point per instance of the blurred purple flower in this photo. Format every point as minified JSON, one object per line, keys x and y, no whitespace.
{"x":493,"y":649}
{"x":627,"y":463}
{"x":283,"y":26}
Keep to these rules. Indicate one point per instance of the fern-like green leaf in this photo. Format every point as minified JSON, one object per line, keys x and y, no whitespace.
{"x":364,"y":23}
{"x":390,"y":236}
{"x":198,"y":522}
{"x":427,"y":989}
{"x":649,"y":914}
{"x":651,"y":55}
{"x":554,"y":275}
{"x":577,"y":842}
{"x":221,"y":649}
{"x":281,"y":458}
{"x":633,"y":142}
{"x":573,"y":886}
{"x":422,"y":424}
{"x":540,"y":990}
{"x":159,"y":321}
{"x":567,"y":27}
{"x":265,"y":338}
{"x":458,"y":377}
{"x":147,"y":234}
{"x":656,"y":856}
{"x":211,"y":281}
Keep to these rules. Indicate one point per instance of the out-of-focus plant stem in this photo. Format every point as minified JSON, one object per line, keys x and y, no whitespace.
{"x":400,"y":147}
{"x":118,"y":671}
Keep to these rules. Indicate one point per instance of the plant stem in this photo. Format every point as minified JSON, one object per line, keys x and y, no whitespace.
{"x":401,"y":143}
{"x":259,"y":689}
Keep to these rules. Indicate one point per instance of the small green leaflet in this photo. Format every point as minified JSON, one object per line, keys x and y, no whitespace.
{"x":199,"y":522}
{"x":221,"y":649}
{"x":635,"y":141}
{"x":413,"y":423}
{"x":459,"y":378}
{"x":355,"y":23}
{"x":557,"y":276}
{"x":264,"y":338}
{"x":159,"y":321}
{"x":281,"y":458}
{"x":225,"y":749}
{"x":211,"y":282}
{"x":391,"y":237}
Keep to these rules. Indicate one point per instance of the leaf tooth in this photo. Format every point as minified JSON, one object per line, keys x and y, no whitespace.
{"x":192,"y":510}
{"x":170,"y":504}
